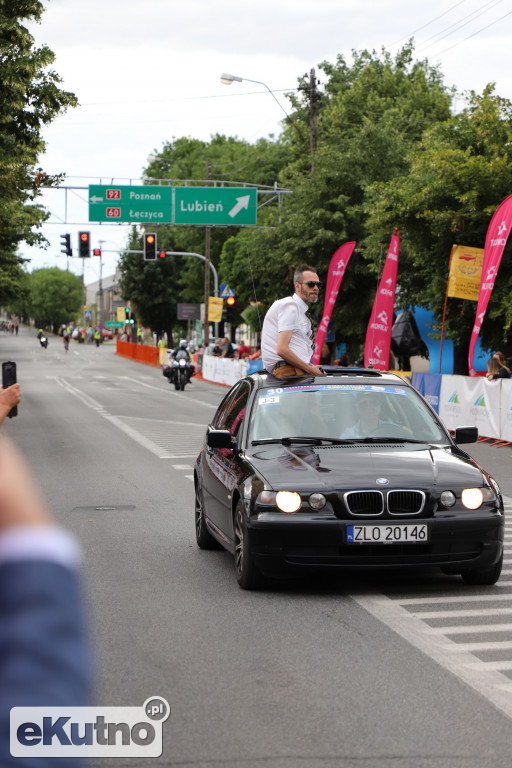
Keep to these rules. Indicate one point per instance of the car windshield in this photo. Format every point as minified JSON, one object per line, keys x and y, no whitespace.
{"x":346,"y":412}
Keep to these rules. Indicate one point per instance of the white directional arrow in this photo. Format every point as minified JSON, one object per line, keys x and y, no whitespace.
{"x":241,"y":202}
{"x":95,"y":199}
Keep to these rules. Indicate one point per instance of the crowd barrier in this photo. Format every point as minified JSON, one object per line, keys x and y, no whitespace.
{"x":139,"y":352}
{"x":471,"y":401}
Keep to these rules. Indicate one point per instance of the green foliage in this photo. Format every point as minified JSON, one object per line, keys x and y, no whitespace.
{"x":456,"y":177}
{"x":30,"y":99}
{"x":390,"y":153}
{"x":55,"y":296}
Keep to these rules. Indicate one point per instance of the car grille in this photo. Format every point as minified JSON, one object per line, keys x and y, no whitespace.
{"x":405,"y":502}
{"x":365,"y":502}
{"x":374,"y":503}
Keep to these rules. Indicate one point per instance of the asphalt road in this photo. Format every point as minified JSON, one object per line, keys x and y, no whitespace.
{"x":366,"y":671}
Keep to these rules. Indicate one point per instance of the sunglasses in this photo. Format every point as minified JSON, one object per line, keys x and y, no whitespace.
{"x":312,"y":283}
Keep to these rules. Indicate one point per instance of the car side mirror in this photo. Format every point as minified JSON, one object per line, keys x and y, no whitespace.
{"x":466,"y":435}
{"x":220,"y":438}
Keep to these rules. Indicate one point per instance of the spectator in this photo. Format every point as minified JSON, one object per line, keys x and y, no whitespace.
{"x":217,"y":350}
{"x":227,"y":348}
{"x":256,"y":355}
{"x":500,"y":357}
{"x":325,"y":355}
{"x":494,"y":370}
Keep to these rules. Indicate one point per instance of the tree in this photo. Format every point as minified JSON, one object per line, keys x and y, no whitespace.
{"x":55,"y":297}
{"x":456,"y":178}
{"x":30,"y":99}
{"x":371,"y":114}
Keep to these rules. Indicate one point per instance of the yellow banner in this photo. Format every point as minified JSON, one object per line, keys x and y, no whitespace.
{"x":465,"y":272}
{"x":215,"y":309}
{"x":121,"y":314}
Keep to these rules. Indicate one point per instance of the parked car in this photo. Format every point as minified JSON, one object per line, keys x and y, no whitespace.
{"x":106,"y":334}
{"x":349,"y":470}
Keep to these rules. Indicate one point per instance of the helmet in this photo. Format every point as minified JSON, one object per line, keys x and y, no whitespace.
{"x":183,"y":344}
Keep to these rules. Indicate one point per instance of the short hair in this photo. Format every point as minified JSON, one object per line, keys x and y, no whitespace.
{"x":299,"y":272}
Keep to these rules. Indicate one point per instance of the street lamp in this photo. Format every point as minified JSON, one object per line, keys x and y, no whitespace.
{"x":227,"y":79}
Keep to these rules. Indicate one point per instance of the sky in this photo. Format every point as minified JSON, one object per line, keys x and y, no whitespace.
{"x":146,"y":73}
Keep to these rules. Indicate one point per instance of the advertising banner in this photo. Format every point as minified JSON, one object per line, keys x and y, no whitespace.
{"x":471,"y":402}
{"x":335,"y":275}
{"x":378,"y":334}
{"x":465,"y":272}
{"x":429,"y":385}
{"x":495,"y":242}
{"x":215,"y":309}
{"x":506,"y":409}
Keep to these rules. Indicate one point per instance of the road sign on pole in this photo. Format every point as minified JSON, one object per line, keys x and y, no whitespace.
{"x":210,"y":206}
{"x":130,"y":204}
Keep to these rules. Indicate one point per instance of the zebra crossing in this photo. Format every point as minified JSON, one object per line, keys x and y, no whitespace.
{"x":467,"y":630}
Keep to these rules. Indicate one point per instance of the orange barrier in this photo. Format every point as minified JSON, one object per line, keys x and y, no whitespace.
{"x":138,"y":352}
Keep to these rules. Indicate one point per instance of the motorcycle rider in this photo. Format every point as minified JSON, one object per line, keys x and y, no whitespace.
{"x":181,"y":353}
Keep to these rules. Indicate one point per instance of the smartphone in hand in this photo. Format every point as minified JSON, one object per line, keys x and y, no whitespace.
{"x":8,"y":379}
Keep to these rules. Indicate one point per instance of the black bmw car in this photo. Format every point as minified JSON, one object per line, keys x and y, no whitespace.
{"x":351,"y":469}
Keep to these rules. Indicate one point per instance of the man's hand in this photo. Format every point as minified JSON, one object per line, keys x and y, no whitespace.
{"x":315,"y":370}
{"x":10,"y":397}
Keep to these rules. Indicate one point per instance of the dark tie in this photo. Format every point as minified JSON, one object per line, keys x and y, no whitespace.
{"x":312,"y":335}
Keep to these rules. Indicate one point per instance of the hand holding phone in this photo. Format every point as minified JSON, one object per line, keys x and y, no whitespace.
{"x":9,"y":379}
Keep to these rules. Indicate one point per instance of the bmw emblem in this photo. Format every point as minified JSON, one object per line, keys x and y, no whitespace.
{"x":382,"y":481}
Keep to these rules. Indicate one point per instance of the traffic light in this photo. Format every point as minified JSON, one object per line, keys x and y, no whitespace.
{"x":84,"y":245}
{"x":96,"y":252}
{"x":127,"y":315}
{"x":162,"y":254}
{"x":66,"y":245}
{"x":150,"y":247}
{"x":230,"y":308}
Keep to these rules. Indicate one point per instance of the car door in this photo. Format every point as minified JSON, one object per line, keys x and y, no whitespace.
{"x":221,"y":471}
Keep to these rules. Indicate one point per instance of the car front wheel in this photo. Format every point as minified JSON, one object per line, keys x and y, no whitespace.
{"x":247,"y":575}
{"x":484,"y":577}
{"x":203,"y":536}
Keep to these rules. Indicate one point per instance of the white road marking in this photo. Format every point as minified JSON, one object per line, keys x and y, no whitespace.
{"x":164,"y":452}
{"x":489,"y":681}
{"x":181,"y":466}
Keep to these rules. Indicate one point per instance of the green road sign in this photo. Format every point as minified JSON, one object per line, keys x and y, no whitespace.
{"x":113,"y":324}
{"x":135,"y":205}
{"x":210,"y":206}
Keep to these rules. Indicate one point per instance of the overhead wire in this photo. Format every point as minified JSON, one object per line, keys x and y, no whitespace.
{"x":457,"y":25}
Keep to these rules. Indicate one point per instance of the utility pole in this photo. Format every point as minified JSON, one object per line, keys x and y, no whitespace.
{"x":312,"y":120}
{"x":207,"y":271}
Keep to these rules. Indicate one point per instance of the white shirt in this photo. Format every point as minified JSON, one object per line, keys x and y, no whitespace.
{"x":286,"y":314}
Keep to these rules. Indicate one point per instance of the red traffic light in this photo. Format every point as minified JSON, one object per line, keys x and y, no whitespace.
{"x":150,"y":239}
{"x":84,"y":237}
{"x":96,"y":252}
{"x":162,"y":254}
{"x":230,"y":301}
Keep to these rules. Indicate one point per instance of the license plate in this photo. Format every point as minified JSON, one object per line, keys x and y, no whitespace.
{"x":387,"y":534}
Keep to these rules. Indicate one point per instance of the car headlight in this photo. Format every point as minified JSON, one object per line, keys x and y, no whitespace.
{"x":288,"y":501}
{"x":473,"y":498}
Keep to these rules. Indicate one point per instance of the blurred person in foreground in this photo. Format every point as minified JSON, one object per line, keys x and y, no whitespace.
{"x":9,"y":398}
{"x":45,"y":657}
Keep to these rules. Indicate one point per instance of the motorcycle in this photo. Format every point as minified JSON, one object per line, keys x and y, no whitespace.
{"x":43,"y":341}
{"x":179,"y":372}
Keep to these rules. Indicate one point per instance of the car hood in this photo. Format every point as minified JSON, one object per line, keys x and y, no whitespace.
{"x":359,"y":466}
